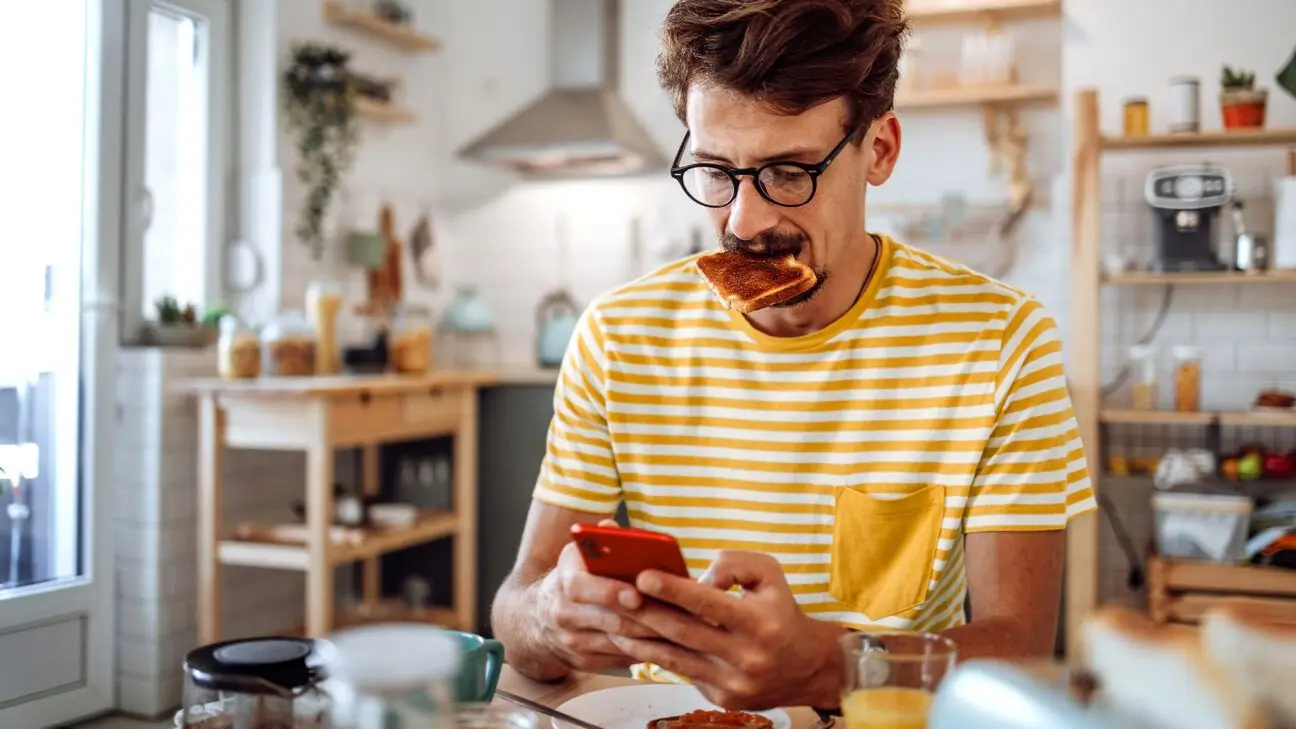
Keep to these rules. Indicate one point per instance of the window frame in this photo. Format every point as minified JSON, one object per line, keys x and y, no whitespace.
{"x":222,"y":120}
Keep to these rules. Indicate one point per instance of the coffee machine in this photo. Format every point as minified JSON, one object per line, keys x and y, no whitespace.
{"x":1185,"y":201}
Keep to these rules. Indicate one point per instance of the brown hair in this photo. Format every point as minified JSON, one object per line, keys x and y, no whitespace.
{"x":790,"y":55}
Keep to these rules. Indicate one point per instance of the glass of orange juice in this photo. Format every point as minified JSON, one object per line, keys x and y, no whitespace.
{"x":891,"y":677}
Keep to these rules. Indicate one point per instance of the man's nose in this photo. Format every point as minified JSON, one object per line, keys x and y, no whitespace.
{"x":749,"y":213}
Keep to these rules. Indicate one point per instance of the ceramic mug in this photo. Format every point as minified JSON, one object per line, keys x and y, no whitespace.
{"x":481,"y":660}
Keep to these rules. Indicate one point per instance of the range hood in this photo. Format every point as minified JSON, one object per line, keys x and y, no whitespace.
{"x":581,"y":126}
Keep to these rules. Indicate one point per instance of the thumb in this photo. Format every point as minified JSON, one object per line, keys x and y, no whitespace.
{"x":609,"y":523}
{"x":748,"y":570}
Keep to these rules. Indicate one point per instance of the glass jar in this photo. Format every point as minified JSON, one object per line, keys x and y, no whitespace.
{"x":1187,"y":379}
{"x":257,"y":683}
{"x":1136,"y":117}
{"x":1144,"y":392}
{"x":411,"y":341}
{"x":323,"y":303}
{"x":288,"y":347}
{"x":239,"y":350}
{"x":395,"y":674}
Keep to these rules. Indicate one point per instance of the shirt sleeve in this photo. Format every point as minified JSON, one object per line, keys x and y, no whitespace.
{"x":578,"y":471}
{"x":1033,"y":475}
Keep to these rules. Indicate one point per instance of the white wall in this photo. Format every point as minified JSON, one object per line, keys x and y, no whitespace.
{"x":502,"y":236}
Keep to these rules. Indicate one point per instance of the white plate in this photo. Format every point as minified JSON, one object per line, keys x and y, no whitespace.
{"x":632,"y":707}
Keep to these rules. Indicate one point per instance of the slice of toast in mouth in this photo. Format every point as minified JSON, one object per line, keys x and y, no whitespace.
{"x":747,"y":283}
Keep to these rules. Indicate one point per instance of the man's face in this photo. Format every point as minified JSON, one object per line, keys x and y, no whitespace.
{"x":732,"y":130}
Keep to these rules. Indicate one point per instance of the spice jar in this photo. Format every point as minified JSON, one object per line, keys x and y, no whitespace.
{"x":1136,"y":117}
{"x":1144,"y":392}
{"x":323,"y":302}
{"x":1187,"y":379}
{"x":288,"y":347}
{"x":239,"y":350}
{"x":1185,"y":105}
{"x":411,"y":341}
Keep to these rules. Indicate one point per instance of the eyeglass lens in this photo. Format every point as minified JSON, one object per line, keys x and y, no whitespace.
{"x":716,"y":187}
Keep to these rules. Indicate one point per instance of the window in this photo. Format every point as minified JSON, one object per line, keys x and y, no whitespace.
{"x":177,"y":157}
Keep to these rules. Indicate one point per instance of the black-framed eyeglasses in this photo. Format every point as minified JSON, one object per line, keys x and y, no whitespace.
{"x":789,"y":184}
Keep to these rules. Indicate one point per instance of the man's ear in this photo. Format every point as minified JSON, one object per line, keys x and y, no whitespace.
{"x":884,"y":139}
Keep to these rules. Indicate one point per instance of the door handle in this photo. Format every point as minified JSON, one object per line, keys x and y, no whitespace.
{"x":145,"y":209}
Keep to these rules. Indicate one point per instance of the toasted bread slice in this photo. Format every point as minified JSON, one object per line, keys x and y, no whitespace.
{"x":747,"y":283}
{"x":1256,"y":644}
{"x":1161,"y":676}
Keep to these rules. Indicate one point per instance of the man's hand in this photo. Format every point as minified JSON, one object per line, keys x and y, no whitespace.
{"x":754,"y":651}
{"x":579,"y":611}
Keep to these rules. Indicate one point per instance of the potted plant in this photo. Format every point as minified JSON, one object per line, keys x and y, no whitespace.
{"x":174,"y":325}
{"x":1241,"y":104}
{"x":319,"y":110}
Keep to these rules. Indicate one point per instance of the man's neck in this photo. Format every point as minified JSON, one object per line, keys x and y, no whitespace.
{"x":830,"y":303}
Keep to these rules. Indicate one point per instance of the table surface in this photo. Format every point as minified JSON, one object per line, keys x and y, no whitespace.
{"x":554,"y":695}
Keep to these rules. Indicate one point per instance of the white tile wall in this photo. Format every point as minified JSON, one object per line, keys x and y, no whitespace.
{"x":156,"y":525}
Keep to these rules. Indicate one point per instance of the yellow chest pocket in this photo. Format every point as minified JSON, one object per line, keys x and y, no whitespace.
{"x":883,"y":550}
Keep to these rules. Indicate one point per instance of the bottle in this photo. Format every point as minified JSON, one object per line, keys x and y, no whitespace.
{"x":1144,"y":392}
{"x":1187,"y":379}
{"x":323,"y":302}
{"x":397,"y":674}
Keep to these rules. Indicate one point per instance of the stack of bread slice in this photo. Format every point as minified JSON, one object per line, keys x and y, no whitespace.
{"x":1236,"y":670}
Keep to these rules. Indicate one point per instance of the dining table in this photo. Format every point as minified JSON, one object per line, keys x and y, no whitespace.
{"x":555,"y":694}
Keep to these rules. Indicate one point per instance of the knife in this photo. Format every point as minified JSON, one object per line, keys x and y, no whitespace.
{"x":541,"y":709}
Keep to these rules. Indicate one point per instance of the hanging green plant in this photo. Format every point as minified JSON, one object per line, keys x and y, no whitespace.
{"x":319,"y":110}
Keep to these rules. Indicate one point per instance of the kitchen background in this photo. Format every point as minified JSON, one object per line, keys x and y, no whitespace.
{"x":516,"y":241}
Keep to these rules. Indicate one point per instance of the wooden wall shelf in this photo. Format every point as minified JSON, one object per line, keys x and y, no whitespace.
{"x":976,"y":96}
{"x":1256,"y":138}
{"x":383,"y":113}
{"x":1200,"y":277}
{"x":405,"y":39}
{"x":929,"y":13}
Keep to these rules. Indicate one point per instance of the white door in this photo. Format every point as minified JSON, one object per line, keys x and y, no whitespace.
{"x":58,"y":334}
{"x":113,"y":177}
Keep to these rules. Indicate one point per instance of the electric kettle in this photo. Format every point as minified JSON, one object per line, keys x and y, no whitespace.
{"x":556,"y":318}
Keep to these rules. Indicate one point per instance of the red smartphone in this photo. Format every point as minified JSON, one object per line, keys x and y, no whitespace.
{"x":621,"y":553}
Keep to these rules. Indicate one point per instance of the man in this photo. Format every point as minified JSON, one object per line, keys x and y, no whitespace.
{"x":872,"y":453}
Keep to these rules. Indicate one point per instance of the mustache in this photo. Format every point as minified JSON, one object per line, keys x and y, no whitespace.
{"x":772,"y":243}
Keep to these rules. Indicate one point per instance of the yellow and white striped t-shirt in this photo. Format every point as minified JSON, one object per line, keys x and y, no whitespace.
{"x":859,"y":456}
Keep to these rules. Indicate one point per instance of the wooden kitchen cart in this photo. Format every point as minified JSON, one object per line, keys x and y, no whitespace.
{"x":318,"y":415}
{"x":1089,"y":146}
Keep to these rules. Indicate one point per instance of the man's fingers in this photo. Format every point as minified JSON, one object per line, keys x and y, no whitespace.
{"x":686,"y":630}
{"x":677,"y":659}
{"x":749,"y":570}
{"x":715,"y":606}
{"x":579,"y":616}
{"x":586,"y":588}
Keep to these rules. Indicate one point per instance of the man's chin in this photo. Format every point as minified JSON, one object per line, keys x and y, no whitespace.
{"x":820,"y":277}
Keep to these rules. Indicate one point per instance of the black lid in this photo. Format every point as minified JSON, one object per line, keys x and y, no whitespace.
{"x":246,"y":665}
